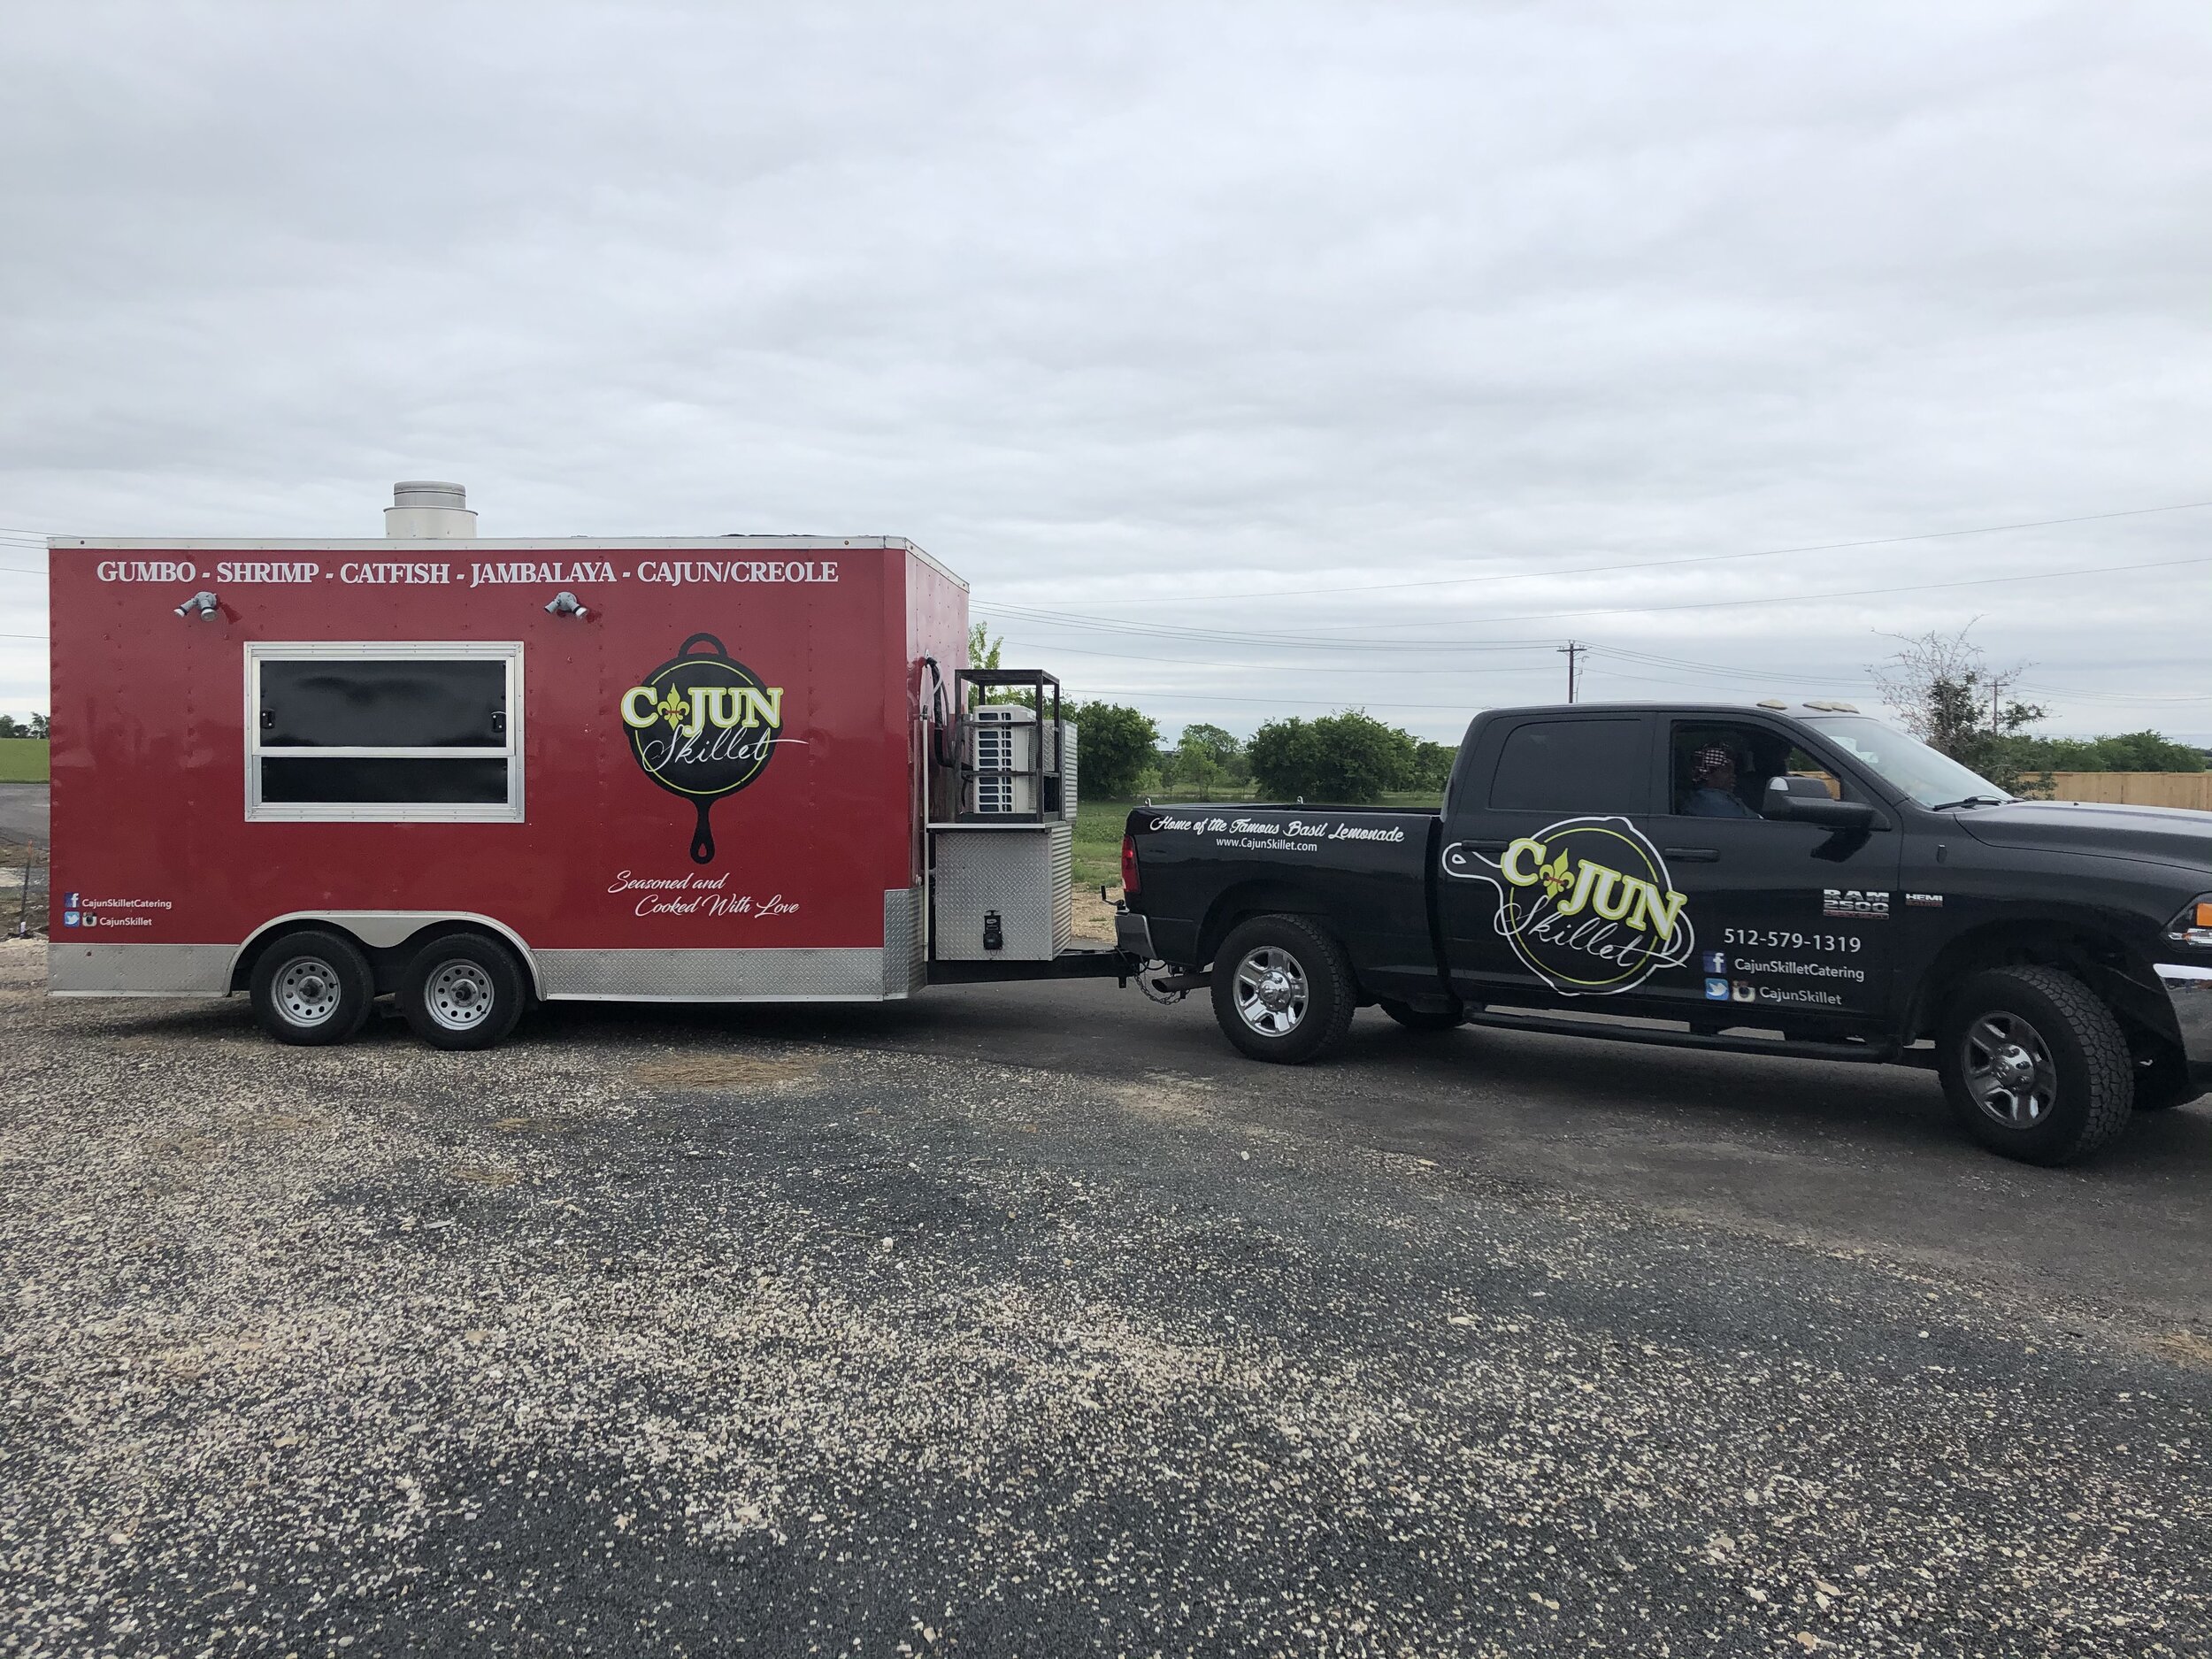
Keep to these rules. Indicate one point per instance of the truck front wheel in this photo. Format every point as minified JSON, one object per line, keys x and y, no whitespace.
{"x":2036,"y":1068}
{"x":313,"y":987}
{"x":1283,"y":989}
{"x":463,"y":992}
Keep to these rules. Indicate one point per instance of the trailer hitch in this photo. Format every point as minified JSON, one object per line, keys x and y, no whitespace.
{"x":1167,"y":989}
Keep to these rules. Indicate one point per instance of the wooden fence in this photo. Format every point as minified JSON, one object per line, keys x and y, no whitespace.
{"x":2191,"y":789}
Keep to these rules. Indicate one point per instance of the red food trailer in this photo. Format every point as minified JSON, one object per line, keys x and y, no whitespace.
{"x":464,"y":774}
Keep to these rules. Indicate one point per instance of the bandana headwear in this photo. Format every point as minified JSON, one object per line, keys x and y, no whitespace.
{"x":1710,"y":761}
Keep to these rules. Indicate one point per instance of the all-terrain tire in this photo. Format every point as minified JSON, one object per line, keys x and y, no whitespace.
{"x":313,"y":987}
{"x":463,"y":991}
{"x":1422,"y":1018}
{"x":1283,"y":989}
{"x":2035,"y":1067}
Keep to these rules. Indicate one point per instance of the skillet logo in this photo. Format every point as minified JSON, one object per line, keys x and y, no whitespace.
{"x":1585,"y":903}
{"x":702,"y":726}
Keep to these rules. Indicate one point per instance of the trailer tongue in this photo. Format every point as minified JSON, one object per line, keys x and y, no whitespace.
{"x":462,"y":774}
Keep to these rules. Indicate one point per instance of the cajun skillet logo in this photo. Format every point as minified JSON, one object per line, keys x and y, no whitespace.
{"x":702,"y":726}
{"x":1586,"y":902}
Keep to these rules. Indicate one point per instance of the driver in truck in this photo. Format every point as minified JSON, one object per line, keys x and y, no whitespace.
{"x":1713,"y":785}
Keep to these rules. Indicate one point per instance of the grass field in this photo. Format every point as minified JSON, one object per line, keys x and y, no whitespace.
{"x":23,"y":760}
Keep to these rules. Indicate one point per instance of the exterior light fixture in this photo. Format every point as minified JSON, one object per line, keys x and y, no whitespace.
{"x":566,"y":603}
{"x":203,"y":605}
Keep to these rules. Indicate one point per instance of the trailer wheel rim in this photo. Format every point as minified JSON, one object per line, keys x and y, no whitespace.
{"x":308,"y":991}
{"x":2009,"y":1072}
{"x":1270,"y":991}
{"x":460,"y":995}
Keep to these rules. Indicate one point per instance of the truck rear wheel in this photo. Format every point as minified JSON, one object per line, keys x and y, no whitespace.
{"x":313,"y":987}
{"x":463,"y":992}
{"x":2036,"y":1068}
{"x":1283,"y":989}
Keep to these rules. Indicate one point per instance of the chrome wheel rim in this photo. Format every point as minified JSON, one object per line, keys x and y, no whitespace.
{"x":307,"y":991}
{"x":2009,"y":1072}
{"x":460,"y":995}
{"x":1270,"y":991}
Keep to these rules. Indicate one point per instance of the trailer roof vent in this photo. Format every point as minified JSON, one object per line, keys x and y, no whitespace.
{"x":423,"y":510}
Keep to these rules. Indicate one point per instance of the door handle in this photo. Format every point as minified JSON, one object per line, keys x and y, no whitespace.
{"x":1692,"y":855}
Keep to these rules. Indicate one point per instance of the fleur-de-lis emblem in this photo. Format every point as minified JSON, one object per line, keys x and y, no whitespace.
{"x":1556,"y":876}
{"x":672,"y":707}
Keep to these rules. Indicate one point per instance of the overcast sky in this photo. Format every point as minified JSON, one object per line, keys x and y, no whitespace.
{"x":1209,"y":331}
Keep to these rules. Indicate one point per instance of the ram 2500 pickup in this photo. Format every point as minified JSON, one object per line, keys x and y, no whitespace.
{"x":1796,"y":879}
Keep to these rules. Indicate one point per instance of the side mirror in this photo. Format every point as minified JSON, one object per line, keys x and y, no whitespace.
{"x":1807,"y":801}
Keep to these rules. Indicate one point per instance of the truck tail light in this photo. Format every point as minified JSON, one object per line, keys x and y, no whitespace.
{"x":1130,"y":885}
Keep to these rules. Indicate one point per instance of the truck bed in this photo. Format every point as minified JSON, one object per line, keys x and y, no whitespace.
{"x":1205,"y":865}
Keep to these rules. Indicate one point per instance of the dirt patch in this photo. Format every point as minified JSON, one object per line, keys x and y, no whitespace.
{"x":727,"y":1073}
{"x":1095,"y":915}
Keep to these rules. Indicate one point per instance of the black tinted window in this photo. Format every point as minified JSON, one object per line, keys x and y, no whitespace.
{"x":383,"y":704}
{"x":295,"y":780}
{"x":1573,"y":767}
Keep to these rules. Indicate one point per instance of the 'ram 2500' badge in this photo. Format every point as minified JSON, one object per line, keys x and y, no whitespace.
{"x":1587,"y":903}
{"x":703,"y":727}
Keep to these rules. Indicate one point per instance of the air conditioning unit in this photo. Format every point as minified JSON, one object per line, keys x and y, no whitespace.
{"x":1003,"y":774}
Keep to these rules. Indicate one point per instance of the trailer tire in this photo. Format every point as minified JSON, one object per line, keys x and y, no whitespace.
{"x":1423,"y":1019}
{"x":2035,"y":1067}
{"x":1283,"y":989}
{"x":463,"y":991}
{"x":312,"y":988}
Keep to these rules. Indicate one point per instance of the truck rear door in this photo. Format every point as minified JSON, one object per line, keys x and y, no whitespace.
{"x":1547,"y":888}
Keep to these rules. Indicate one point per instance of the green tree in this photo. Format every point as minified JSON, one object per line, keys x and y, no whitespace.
{"x":984,"y":651}
{"x":2129,"y":751}
{"x":1946,"y":694}
{"x":1117,"y":747}
{"x":1205,"y":758}
{"x":1349,"y":756}
{"x":10,"y":727}
{"x":1432,"y":765}
{"x":40,"y":726}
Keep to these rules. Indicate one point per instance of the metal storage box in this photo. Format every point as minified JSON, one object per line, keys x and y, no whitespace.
{"x":1023,"y":874}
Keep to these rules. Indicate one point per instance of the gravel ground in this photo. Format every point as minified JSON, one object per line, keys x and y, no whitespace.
{"x":651,"y":1338}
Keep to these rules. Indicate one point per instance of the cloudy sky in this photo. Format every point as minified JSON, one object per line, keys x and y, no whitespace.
{"x":1247,"y":359}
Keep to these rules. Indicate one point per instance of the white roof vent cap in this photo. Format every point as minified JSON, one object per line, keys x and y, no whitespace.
{"x":424,"y":510}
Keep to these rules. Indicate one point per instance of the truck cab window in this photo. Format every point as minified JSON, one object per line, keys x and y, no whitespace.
{"x":383,"y":732}
{"x":1578,"y":765}
{"x":1717,"y":769}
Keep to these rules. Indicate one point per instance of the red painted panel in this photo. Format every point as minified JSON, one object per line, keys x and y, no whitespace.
{"x":150,"y":751}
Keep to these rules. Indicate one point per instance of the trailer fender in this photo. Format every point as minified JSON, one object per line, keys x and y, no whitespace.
{"x":384,"y":930}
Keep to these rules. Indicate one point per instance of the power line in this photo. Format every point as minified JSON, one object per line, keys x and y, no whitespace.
{"x":1698,"y":558}
{"x":1724,"y":605}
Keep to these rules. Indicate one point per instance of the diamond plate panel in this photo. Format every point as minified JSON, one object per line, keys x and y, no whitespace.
{"x":1026,"y":872}
{"x":712,"y":976}
{"x":905,"y":941}
{"x":73,"y":970}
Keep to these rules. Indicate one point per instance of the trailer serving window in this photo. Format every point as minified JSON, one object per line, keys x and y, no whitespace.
{"x":384,"y":733}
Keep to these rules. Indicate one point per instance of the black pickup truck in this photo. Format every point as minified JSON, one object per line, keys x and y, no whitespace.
{"x":1777,"y":878}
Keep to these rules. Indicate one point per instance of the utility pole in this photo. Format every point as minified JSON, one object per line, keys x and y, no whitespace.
{"x":1571,"y":650}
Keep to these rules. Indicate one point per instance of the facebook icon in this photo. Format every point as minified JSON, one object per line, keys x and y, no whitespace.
{"x":1716,"y":961}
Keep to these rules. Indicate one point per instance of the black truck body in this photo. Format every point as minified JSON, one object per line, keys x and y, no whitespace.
{"x":2050,"y":959}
